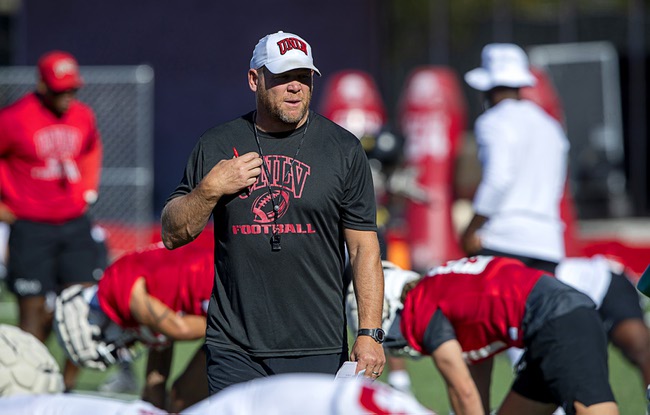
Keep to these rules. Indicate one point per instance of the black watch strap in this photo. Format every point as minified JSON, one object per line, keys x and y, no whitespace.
{"x":377,"y":334}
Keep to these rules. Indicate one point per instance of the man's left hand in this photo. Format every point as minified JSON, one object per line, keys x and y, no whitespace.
{"x":369,"y":355}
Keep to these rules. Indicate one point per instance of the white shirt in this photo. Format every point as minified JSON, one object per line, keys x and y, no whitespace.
{"x":72,"y":404}
{"x":591,"y":276}
{"x":296,"y":393}
{"x":523,"y":153}
{"x":308,"y":393}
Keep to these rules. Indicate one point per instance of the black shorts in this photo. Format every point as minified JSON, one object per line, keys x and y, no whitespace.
{"x":45,"y":257}
{"x":566,"y":361}
{"x":540,"y":264}
{"x":621,"y":302}
{"x":227,"y":367}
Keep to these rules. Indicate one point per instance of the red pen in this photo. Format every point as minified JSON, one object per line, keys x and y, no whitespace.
{"x":236,"y":153}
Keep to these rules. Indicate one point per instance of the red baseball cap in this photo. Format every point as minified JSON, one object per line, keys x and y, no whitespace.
{"x":60,"y":71}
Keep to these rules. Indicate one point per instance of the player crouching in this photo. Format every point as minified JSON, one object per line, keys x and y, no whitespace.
{"x":466,"y":311}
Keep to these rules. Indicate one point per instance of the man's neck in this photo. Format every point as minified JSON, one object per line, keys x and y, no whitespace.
{"x":268,"y":124}
{"x":501,"y":94}
{"x":47,"y":104}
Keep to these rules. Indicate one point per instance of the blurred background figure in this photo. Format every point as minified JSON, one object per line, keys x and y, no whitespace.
{"x":432,"y":118}
{"x":608,"y":283}
{"x":49,"y":176}
{"x":152,"y":296}
{"x":523,"y":153}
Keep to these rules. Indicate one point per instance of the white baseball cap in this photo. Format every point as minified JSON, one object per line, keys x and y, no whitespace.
{"x":502,"y":64}
{"x":281,"y":52}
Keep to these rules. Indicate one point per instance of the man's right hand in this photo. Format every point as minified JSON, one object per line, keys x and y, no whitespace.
{"x":184,"y":217}
{"x":231,"y":176}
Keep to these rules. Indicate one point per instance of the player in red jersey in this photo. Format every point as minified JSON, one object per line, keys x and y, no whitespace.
{"x":466,"y":311}
{"x":154,"y":296}
{"x":51,"y":155}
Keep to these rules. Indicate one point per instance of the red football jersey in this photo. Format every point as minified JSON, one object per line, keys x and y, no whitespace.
{"x":484,"y":299}
{"x":182,"y":279}
{"x":48,"y":163}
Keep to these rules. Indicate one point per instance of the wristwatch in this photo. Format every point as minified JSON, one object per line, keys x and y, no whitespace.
{"x":378,"y":334}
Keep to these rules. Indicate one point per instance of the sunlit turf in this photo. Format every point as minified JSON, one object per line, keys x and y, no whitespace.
{"x":428,"y":386}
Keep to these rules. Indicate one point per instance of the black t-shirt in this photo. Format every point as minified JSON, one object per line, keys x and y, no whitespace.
{"x":286,"y":303}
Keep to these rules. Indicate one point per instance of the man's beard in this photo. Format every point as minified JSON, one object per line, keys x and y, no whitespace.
{"x":276,"y":111}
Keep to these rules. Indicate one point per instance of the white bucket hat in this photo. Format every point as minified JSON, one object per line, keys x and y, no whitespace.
{"x":502,"y":64}
{"x":281,"y":52}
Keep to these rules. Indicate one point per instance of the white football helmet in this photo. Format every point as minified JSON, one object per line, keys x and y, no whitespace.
{"x":88,"y":336}
{"x":395,"y":278}
{"x":26,"y":365}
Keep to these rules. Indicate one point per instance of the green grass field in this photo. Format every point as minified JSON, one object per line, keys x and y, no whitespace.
{"x":428,"y":386}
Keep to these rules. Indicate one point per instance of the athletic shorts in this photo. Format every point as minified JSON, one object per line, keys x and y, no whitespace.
{"x":621,"y":302}
{"x":46,"y":257}
{"x":227,"y":367}
{"x":566,"y":361}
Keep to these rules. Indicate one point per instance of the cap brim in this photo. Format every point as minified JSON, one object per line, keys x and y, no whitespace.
{"x":482,"y":80}
{"x":479,"y":79}
{"x":64,"y":85}
{"x":286,"y":65}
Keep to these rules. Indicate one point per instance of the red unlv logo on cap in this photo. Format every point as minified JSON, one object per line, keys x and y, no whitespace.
{"x":64,"y":67}
{"x":289,"y":43}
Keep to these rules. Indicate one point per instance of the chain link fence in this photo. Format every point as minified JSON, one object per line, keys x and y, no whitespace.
{"x":122,"y":98}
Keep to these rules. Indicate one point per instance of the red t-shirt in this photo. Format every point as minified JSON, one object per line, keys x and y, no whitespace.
{"x":483,"y":298}
{"x":48,"y":163}
{"x":182,"y":279}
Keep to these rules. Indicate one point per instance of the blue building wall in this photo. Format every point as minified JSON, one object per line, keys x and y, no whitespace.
{"x":200,"y":51}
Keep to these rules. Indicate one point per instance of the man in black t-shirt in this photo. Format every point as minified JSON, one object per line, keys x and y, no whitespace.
{"x":288,"y":190}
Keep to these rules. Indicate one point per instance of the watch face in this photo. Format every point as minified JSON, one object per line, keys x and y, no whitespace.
{"x":380,"y":335}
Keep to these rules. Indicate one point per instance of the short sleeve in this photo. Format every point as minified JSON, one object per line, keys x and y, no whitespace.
{"x":438,"y":331}
{"x":358,"y":208}
{"x":193,"y":173}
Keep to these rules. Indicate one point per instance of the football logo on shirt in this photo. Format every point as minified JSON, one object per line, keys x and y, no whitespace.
{"x":264,"y":205}
{"x":287,"y":181}
{"x":273,"y":195}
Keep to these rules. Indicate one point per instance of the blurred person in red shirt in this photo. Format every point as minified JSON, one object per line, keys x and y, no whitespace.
{"x":50,"y":153}
{"x":151,"y":296}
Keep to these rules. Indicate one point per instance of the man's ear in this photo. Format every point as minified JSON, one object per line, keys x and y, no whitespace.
{"x":254,"y":79}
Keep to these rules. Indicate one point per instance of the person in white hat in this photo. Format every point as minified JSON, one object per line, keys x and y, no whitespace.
{"x":289,"y":190}
{"x":523,"y":153}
